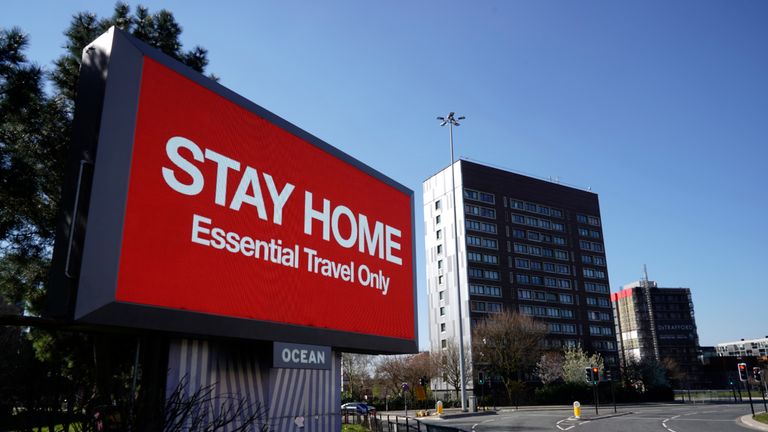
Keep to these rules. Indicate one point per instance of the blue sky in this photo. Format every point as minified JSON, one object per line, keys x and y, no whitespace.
{"x":661,"y":107}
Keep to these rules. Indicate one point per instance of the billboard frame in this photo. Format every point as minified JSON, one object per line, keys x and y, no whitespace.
{"x":104,"y":128}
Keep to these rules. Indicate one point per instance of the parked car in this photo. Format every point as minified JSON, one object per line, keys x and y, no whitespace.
{"x":371,"y":410}
{"x":354,"y":408}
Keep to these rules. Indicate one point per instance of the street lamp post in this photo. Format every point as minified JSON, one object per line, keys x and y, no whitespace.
{"x":452,"y":121}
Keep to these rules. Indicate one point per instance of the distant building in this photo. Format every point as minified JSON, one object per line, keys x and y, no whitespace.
{"x":743,"y":348}
{"x":526,"y":245}
{"x":656,"y":323}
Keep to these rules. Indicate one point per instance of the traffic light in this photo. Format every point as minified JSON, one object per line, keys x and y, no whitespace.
{"x":589,"y":375}
{"x":743,"y":372}
{"x":480,"y":378}
{"x":595,"y":375}
{"x":757,"y":373}
{"x":421,"y":382}
{"x":730,"y":380}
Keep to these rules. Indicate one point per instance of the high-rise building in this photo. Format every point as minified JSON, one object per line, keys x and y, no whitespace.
{"x":656,"y":323}
{"x":743,"y":348}
{"x":525,"y":245}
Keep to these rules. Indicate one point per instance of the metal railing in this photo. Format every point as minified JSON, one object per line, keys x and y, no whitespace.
{"x":393,"y":423}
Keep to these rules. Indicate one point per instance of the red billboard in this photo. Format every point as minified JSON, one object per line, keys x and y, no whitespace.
{"x":231,"y":217}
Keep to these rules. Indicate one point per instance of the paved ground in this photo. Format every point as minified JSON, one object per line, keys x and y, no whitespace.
{"x":637,"y":418}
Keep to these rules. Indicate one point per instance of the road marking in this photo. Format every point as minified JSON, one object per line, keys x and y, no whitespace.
{"x":664,"y":423}
{"x":482,"y":422}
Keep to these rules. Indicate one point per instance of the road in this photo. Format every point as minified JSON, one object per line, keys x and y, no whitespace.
{"x":637,"y":418}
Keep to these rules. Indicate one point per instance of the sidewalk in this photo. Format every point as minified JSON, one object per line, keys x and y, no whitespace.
{"x":748,"y":422}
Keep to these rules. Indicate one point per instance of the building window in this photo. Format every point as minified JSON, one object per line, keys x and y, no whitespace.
{"x":442,"y":327}
{"x":479,"y":196}
{"x":439,"y":249}
{"x":522,"y":263}
{"x":484,"y":290}
{"x":595,"y":287}
{"x":437,"y":205}
{"x":440,"y":280}
{"x":437,"y":220}
{"x":443,"y":343}
{"x":442,"y":311}
{"x":439,"y":264}
{"x":480,"y":211}
{"x":441,"y":295}
{"x":488,"y":227}
{"x":439,"y":234}
{"x":594,"y":274}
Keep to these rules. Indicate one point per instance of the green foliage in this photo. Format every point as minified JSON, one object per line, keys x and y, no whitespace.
{"x":647,"y":375}
{"x":574,"y":362}
{"x":762,"y":418}
{"x":36,"y":114}
{"x":563,"y":393}
{"x":353,"y":428}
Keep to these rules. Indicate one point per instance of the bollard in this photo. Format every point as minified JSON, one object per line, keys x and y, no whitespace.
{"x":439,"y":407}
{"x":577,"y":410}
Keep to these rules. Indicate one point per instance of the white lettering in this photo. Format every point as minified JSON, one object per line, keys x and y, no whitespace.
{"x":310,"y":214}
{"x":250,"y":180}
{"x":393,"y":245}
{"x":278,"y":199}
{"x":197,"y":230}
{"x":172,"y":150}
{"x":374,"y":242}
{"x":344,"y":242}
{"x":223,"y":165}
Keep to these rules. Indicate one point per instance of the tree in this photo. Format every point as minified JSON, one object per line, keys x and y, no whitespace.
{"x":449,"y":367}
{"x":393,"y":371}
{"x":35,"y":134}
{"x":550,"y":367}
{"x":575,"y":360}
{"x":509,"y":345}
{"x":646,"y":375}
{"x":357,"y":374}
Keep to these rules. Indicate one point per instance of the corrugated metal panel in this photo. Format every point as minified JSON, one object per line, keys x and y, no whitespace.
{"x":296,"y":399}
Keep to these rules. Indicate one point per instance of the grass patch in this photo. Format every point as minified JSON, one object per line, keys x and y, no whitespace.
{"x":762,"y":418}
{"x":353,"y":428}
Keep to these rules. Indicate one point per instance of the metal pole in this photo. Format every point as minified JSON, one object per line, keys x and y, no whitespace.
{"x":133,"y":384}
{"x":597,"y":399}
{"x":749,"y":394}
{"x":458,"y":278}
{"x":613,"y":393}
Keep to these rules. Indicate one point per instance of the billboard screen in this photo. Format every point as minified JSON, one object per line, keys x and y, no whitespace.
{"x":223,"y":215}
